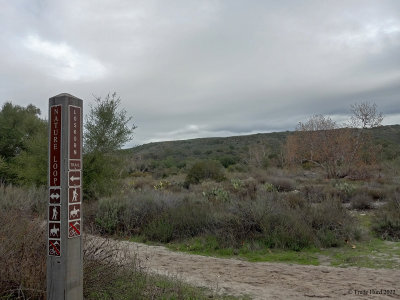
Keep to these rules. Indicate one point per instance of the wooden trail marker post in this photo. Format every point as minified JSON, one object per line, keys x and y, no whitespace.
{"x":64,"y":243}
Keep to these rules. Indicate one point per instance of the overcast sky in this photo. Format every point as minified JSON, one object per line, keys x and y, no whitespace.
{"x":187,"y":69}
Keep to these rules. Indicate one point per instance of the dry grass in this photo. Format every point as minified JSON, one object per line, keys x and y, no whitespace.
{"x":32,"y":200}
{"x":22,"y":256}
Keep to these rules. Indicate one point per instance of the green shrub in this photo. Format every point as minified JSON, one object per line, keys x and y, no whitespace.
{"x":108,"y":217}
{"x":207,"y":169}
{"x":269,"y":187}
{"x":286,"y":229}
{"x":159,"y":230}
{"x":191,"y":218}
{"x":100,"y":175}
{"x":386,"y":223}
{"x":236,"y":183}
{"x":227,"y":161}
{"x":162,"y":185}
{"x":217,"y":194}
{"x":344,"y":190}
{"x":285,"y":222}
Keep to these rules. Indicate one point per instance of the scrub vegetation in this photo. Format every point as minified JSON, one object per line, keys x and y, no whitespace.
{"x":323,"y":194}
{"x":23,"y":258}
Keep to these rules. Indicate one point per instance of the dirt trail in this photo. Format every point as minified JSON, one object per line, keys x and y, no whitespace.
{"x":267,"y":280}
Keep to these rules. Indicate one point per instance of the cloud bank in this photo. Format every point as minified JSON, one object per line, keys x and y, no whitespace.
{"x":187,"y":69}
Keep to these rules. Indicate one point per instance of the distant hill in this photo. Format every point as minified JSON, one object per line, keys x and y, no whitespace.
{"x":234,"y":150}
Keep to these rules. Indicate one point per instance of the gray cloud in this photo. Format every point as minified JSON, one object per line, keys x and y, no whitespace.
{"x":187,"y":69}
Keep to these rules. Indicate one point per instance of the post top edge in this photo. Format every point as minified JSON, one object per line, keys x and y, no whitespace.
{"x":64,"y":95}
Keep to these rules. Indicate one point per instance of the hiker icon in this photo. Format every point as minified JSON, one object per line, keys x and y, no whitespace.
{"x":55,"y":213}
{"x":74,"y":195}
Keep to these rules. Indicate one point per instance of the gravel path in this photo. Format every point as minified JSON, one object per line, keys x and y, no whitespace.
{"x":268,"y":280}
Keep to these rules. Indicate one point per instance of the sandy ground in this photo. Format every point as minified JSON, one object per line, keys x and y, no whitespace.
{"x":268,"y":280}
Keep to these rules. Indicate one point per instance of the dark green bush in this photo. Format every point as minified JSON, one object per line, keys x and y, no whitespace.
{"x":191,"y":218}
{"x":159,"y":230}
{"x":227,"y":161}
{"x":206,"y":169}
{"x":100,"y":175}
{"x":287,"y":230}
{"x":386,"y":222}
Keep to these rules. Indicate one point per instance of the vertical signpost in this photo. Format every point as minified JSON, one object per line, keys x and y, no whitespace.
{"x":64,"y":243}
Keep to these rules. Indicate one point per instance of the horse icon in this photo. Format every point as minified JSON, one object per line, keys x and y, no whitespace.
{"x":74,"y":212}
{"x":54,"y":231}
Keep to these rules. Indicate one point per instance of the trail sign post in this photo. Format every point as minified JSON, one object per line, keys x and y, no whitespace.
{"x":64,"y":252}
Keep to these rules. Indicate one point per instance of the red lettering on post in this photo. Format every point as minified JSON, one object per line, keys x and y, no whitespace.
{"x":74,"y":132}
{"x":55,"y":145}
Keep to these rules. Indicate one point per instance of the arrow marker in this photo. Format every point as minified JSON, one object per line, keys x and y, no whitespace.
{"x":73,"y":178}
{"x":54,"y":196}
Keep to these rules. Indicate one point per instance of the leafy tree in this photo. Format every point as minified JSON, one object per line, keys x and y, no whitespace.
{"x":107,"y":126}
{"x":31,"y":164}
{"x":106,"y":131}
{"x":18,"y":126}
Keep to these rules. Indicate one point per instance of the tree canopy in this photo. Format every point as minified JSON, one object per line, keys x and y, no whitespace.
{"x":23,"y":145}
{"x":107,"y":125}
{"x":107,"y":129}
